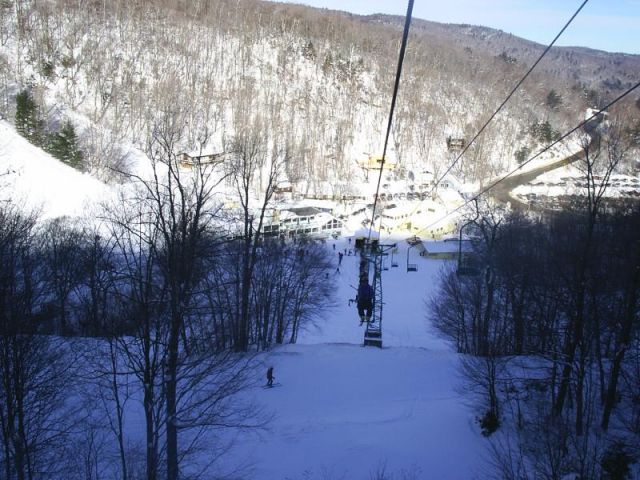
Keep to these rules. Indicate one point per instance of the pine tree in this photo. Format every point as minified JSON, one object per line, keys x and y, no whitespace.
{"x":63,"y":145}
{"x":554,"y":100}
{"x":28,"y":121}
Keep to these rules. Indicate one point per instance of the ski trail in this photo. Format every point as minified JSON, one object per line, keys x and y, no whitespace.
{"x":345,"y":409}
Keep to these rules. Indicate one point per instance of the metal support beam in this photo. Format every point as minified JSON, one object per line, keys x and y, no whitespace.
{"x":375,"y":254}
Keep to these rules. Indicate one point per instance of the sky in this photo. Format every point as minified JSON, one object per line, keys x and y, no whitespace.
{"x":610,"y":25}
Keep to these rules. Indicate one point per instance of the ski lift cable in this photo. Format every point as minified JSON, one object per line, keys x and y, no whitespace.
{"x":373,"y":332}
{"x":513,"y":91}
{"x":545,"y":149}
{"x":403,"y":47}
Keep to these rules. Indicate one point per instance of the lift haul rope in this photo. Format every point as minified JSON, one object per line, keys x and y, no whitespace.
{"x":502,"y":179}
{"x":513,"y":91}
{"x":403,"y":47}
{"x":373,"y":332}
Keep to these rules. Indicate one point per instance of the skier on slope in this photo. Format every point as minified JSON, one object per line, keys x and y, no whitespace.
{"x":270,"y":377}
{"x":364,"y":300}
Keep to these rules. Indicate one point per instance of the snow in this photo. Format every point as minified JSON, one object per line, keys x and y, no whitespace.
{"x":452,"y":245}
{"x":555,"y":154}
{"x":37,"y":181}
{"x":343,"y":410}
{"x":347,"y":409}
{"x":571,"y":180}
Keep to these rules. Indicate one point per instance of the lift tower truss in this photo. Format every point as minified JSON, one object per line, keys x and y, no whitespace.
{"x":374,"y":255}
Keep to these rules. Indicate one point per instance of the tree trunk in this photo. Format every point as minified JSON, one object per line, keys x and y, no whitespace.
{"x":623,"y":345}
{"x":152,"y":453}
{"x":171,"y":398}
{"x":119,"y":411}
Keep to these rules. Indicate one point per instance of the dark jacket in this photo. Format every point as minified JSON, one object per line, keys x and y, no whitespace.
{"x":365,"y":293}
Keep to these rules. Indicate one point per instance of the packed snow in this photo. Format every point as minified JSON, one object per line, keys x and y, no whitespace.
{"x":342,"y":410}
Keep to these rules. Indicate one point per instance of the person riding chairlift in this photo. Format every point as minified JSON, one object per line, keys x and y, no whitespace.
{"x":364,"y":300}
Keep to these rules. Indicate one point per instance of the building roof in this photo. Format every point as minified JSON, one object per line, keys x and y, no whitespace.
{"x":394,"y":210}
{"x":204,"y":153}
{"x":449,"y":246}
{"x":304,"y":211}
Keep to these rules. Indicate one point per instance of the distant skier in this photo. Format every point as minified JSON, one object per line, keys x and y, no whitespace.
{"x":270,"y":377}
{"x":364,"y":300}
{"x":340,"y":255}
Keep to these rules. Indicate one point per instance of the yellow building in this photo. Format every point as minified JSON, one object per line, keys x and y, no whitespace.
{"x":373,"y":163}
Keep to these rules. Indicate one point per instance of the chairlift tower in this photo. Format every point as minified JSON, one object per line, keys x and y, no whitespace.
{"x":373,"y":255}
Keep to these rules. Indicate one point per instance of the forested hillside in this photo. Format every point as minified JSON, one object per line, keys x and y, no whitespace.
{"x":134,"y":339}
{"x":317,"y":84}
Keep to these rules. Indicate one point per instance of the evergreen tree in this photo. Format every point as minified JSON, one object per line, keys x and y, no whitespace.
{"x":543,"y":132}
{"x":554,"y":100}
{"x":28,"y":121}
{"x":522,"y":154}
{"x":63,"y":146}
{"x":328,"y":63}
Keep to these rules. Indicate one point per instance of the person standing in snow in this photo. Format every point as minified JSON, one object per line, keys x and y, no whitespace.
{"x":340,"y":255}
{"x":364,"y":300}
{"x":270,"y":377}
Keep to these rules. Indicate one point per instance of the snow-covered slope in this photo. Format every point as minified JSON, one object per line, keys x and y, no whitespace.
{"x":344,"y":411}
{"x":35,"y":180}
{"x":341,"y":410}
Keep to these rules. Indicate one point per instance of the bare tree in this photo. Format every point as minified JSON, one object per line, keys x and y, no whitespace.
{"x":62,"y":243}
{"x":165,"y":247}
{"x":139,"y":306}
{"x":626,"y":255}
{"x":36,"y":371}
{"x":601,"y":156}
{"x":290,"y":289}
{"x":254,"y":169}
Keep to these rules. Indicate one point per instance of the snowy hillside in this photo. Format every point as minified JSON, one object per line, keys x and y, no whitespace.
{"x":319,"y":82}
{"x":34,"y":179}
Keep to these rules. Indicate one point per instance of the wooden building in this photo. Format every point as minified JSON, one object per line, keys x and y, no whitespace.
{"x":189,"y":160}
{"x":455,"y":144}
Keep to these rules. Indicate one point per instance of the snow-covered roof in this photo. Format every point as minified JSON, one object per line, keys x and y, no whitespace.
{"x":448,"y":246}
{"x":198,"y":153}
{"x":364,"y":232}
{"x":401,"y":208}
{"x":450,"y":196}
{"x":304,"y":211}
